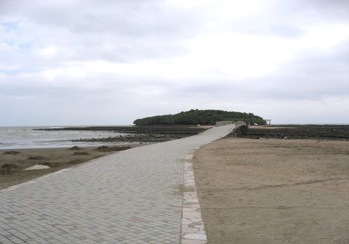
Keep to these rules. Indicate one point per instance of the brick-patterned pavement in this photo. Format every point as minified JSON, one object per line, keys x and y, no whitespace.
{"x":127,"y":197}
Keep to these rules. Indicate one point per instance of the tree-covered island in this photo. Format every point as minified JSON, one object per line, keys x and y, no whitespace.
{"x":201,"y":117}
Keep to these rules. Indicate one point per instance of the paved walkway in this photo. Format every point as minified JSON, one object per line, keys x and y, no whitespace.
{"x":132,"y":196}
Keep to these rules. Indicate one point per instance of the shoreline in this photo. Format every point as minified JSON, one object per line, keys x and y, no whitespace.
{"x":55,"y":156}
{"x":60,"y":157}
{"x":52,"y":137}
{"x":79,"y":143}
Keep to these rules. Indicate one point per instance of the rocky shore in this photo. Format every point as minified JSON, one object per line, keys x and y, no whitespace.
{"x":141,"y":134}
{"x":21,"y":165}
{"x":320,"y":132}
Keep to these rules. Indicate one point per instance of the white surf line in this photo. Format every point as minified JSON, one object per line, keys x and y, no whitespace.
{"x":193,"y":229}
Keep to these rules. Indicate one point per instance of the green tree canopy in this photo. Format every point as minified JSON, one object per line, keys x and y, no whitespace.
{"x":202,"y":117}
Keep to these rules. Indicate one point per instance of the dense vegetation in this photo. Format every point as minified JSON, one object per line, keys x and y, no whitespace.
{"x":202,"y":117}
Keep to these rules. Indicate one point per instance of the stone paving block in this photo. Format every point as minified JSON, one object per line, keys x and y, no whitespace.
{"x":193,"y":242}
{"x":126,"y":197}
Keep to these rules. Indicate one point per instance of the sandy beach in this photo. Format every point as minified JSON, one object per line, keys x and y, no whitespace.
{"x":274,"y":191}
{"x":15,"y":162}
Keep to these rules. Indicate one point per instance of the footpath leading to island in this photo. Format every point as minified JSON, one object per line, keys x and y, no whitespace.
{"x":134,"y":196}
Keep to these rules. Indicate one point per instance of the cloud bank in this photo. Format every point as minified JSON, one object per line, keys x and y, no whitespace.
{"x":77,"y":62}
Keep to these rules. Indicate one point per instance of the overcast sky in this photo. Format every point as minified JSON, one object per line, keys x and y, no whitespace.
{"x":109,"y":62}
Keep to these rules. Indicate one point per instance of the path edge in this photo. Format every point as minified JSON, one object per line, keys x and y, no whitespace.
{"x":192,"y":227}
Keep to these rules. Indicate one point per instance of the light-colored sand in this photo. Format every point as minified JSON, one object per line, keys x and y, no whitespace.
{"x":274,"y":191}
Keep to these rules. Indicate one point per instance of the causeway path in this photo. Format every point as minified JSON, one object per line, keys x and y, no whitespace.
{"x":133,"y":196}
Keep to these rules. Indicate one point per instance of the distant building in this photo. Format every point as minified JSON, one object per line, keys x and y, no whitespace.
{"x":268,"y":121}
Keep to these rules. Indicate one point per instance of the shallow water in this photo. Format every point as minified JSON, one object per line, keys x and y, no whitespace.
{"x":27,"y":137}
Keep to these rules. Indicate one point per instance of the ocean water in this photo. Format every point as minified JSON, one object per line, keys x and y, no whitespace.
{"x":27,"y":137}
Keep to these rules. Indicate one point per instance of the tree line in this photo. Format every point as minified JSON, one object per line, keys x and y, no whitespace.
{"x":201,"y":117}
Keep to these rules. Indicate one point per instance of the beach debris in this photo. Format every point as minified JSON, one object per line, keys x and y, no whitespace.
{"x":8,"y":168}
{"x":103,"y":148}
{"x":75,"y":148}
{"x":37,"y":167}
{"x":35,"y":157}
{"x":80,"y":153}
{"x":115,"y":148}
{"x":10,"y":152}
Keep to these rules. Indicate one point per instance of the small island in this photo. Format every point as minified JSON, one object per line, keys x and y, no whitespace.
{"x":200,"y":117}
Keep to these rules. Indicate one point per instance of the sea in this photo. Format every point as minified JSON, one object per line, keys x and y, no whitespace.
{"x":28,"y":137}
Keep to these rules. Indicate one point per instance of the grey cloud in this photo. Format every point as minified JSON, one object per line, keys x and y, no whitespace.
{"x":122,"y":50}
{"x":334,"y":9}
{"x":313,"y":10}
{"x":257,"y":26}
{"x":285,"y":30}
{"x":288,"y":19}
{"x":301,"y":82}
{"x":121,"y":31}
{"x":126,"y":31}
{"x":125,"y":20}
